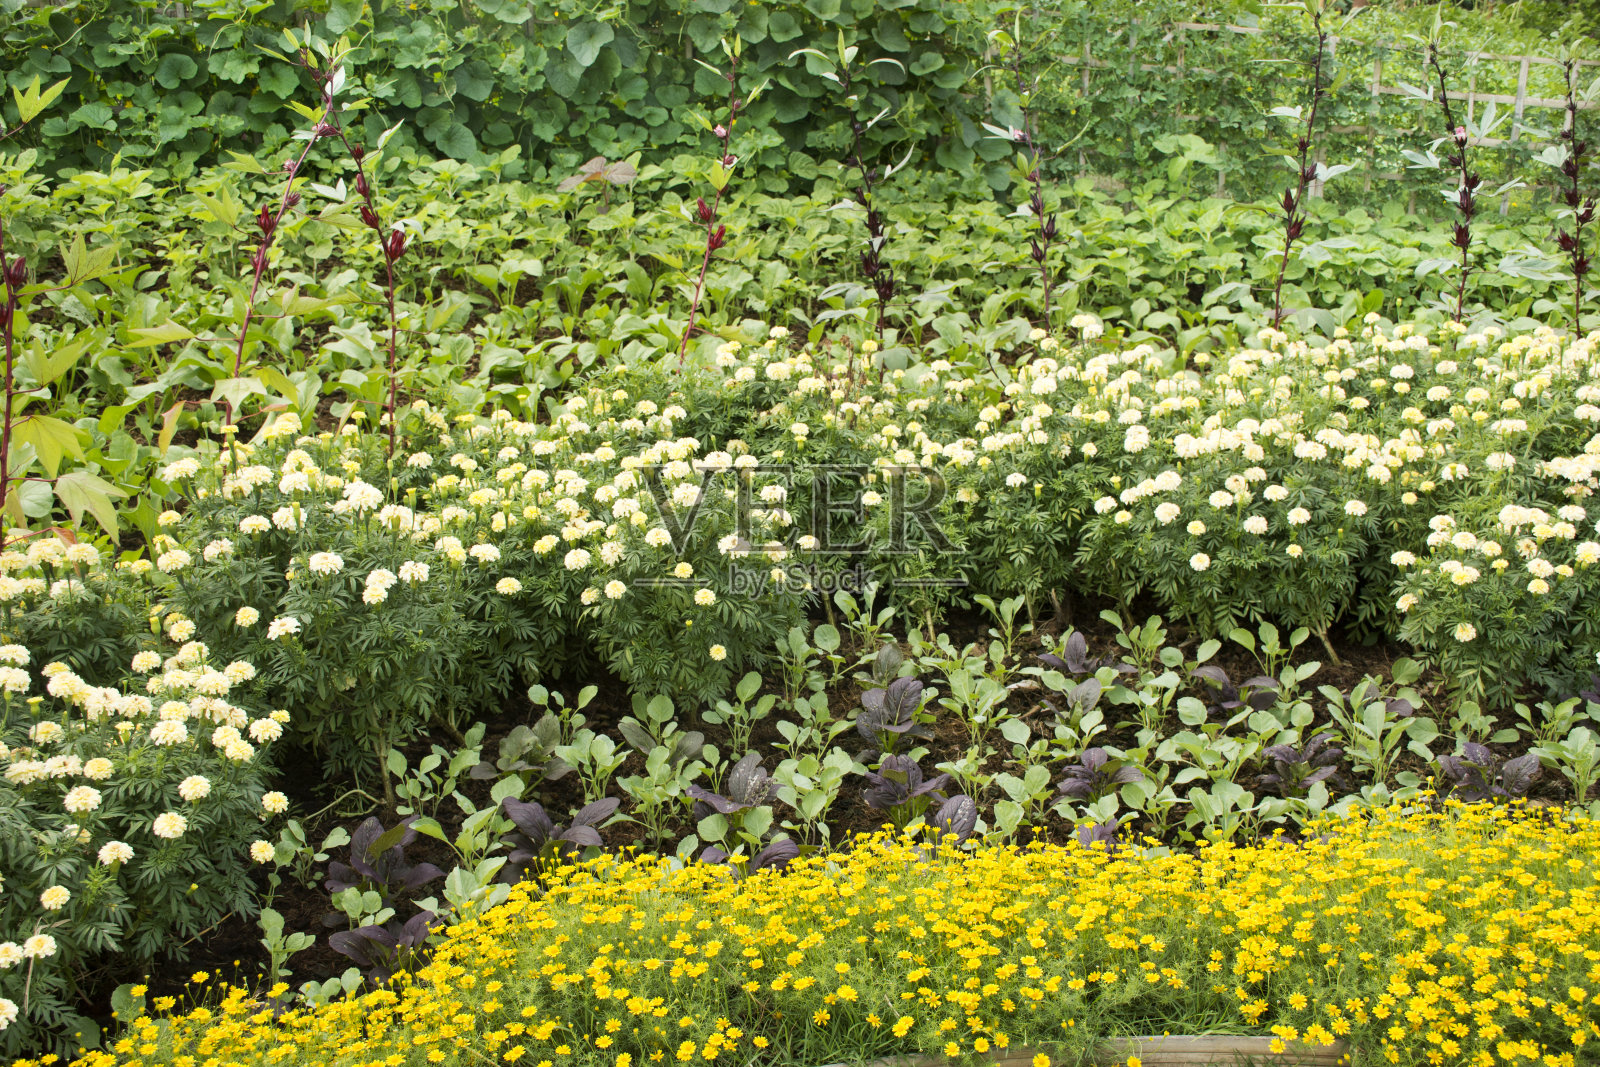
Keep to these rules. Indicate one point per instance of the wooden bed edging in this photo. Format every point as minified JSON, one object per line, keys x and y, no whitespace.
{"x":1212,"y":1050}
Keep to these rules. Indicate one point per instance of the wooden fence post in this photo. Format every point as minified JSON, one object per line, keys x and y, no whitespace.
{"x":1083,"y":160}
{"x":1516,"y":121}
{"x":1372,"y":141}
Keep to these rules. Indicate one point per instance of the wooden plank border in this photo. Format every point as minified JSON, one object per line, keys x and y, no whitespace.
{"x":1211,"y":1050}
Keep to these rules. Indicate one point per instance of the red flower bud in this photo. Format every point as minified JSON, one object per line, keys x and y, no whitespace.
{"x":395,"y":247}
{"x":716,"y":239}
{"x":265,"y":221}
{"x":362,"y":188}
{"x":703,"y":209}
{"x":370,"y":217}
{"x":17,"y":273}
{"x":357,"y":153}
{"x":293,"y":200}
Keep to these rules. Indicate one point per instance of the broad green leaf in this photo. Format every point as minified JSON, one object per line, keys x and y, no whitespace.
{"x":83,"y":263}
{"x":31,"y":101}
{"x":165,"y":334}
{"x":222,"y":207}
{"x":586,"y":39}
{"x":47,"y":365}
{"x":80,"y":491}
{"x":235,"y":391}
{"x":51,"y":438}
{"x":343,"y":14}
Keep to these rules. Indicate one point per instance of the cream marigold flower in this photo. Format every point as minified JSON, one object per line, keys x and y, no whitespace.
{"x":718,"y":653}
{"x":1200,"y":561}
{"x":98,"y":769}
{"x":274,"y":803}
{"x":1299,"y":516}
{"x":169,"y":825}
{"x":246,"y":617}
{"x":615,"y":589}
{"x":283,"y":626}
{"x":508,"y":587}
{"x":325,"y":563}
{"x":1466,"y":632}
{"x":114,"y":852}
{"x":55,"y":898}
{"x":80,"y":800}
{"x":261,"y":851}
{"x":194,"y":788}
{"x":39,"y":947}
{"x":705,"y":597}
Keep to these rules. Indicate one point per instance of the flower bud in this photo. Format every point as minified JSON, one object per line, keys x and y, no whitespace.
{"x":293,"y":200}
{"x":370,"y":217}
{"x":704,"y":210}
{"x":357,"y":153}
{"x":362,"y":188}
{"x":17,"y":273}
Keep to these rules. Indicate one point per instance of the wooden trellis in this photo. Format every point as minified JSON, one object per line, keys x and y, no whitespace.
{"x":1088,"y":63}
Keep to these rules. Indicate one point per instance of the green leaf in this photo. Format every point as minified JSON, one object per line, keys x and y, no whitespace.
{"x":456,"y":141}
{"x":30,"y":102}
{"x":47,"y":365}
{"x":83,"y":263}
{"x":235,"y":391}
{"x":222,"y":207}
{"x":174,"y":69}
{"x":165,"y":334}
{"x":51,"y":438}
{"x":80,"y":491}
{"x":343,"y":14}
{"x":586,"y":39}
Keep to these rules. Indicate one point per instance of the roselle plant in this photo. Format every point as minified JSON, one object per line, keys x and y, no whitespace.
{"x":1572,"y":152}
{"x":1294,"y":201}
{"x":874,"y":264}
{"x":44,"y":439}
{"x":1030,"y":160}
{"x":720,"y":173}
